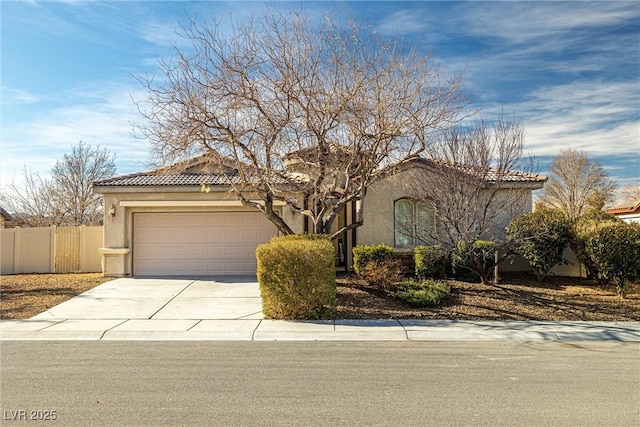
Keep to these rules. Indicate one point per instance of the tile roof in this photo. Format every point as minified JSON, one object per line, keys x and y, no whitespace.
{"x":165,"y":177}
{"x":207,"y":169}
{"x":181,"y":179}
{"x":490,"y":175}
{"x":152,"y":179}
{"x":629,"y":209}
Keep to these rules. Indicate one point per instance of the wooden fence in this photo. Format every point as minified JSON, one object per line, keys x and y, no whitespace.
{"x":50,"y":250}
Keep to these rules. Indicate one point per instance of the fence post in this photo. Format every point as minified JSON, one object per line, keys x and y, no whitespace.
{"x":82,"y":247}
{"x":53,"y":249}
{"x":16,"y":250}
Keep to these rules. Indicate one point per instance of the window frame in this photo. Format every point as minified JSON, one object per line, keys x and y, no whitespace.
{"x":418,"y":209}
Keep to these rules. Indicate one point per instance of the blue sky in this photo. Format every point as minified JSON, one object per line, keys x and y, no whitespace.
{"x":570,"y":71}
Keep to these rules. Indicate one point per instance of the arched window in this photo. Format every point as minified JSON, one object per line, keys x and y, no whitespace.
{"x":414,"y":223}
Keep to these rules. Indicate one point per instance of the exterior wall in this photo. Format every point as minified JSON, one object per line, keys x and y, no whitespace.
{"x":118,"y":229}
{"x":629,"y":218}
{"x":378,"y":208}
{"x":379,"y":202}
{"x":572,"y":269}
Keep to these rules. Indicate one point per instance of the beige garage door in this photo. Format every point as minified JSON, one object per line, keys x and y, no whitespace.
{"x":175,"y":244}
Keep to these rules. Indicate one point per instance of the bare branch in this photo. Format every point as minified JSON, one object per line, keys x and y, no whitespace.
{"x":330,"y":109}
{"x":577,"y":185}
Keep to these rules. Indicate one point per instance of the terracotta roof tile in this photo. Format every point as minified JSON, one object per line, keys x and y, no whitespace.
{"x":180,"y":179}
{"x":490,"y":175}
{"x":625,"y":209}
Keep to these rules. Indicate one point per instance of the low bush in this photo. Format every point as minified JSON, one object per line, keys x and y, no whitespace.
{"x":430,"y":261}
{"x":474,"y":261}
{"x":297,"y":277}
{"x":364,"y":254}
{"x":383,"y":275}
{"x":423,"y":293}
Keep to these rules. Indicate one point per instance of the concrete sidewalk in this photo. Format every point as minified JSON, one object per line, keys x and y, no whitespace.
{"x":230,"y":308}
{"x":330,"y":330}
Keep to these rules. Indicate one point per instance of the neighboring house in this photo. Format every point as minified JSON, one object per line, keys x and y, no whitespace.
{"x":627,"y":213}
{"x":185,"y":220}
{"x":4,"y":218}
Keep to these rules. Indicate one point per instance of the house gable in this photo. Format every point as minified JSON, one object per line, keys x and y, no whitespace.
{"x":404,"y":183}
{"x":629,"y":213}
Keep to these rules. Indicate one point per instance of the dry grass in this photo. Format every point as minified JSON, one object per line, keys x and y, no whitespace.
{"x":516,"y":298}
{"x":24,"y":295}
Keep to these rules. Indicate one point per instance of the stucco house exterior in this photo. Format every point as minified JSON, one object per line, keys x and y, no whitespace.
{"x":630,"y":213}
{"x":189,"y":222}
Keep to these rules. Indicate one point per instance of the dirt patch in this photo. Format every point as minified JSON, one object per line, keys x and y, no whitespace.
{"x":518,"y":297}
{"x":24,"y":295}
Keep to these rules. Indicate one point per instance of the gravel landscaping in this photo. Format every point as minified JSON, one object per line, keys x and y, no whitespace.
{"x":517,"y":297}
{"x":24,"y":295}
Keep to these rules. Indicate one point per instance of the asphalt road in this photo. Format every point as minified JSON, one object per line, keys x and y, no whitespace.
{"x":319,"y":383}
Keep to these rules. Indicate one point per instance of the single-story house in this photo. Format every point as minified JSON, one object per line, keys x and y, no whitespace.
{"x":186,"y":221}
{"x":629,"y":213}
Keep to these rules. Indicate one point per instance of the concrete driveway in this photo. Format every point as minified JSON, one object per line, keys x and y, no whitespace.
{"x":230,"y":308}
{"x":224,"y":297}
{"x":224,"y":307}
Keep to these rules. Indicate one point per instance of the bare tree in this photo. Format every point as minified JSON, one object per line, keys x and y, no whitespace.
{"x":577,"y":185}
{"x":72,"y":178}
{"x":324,"y":109}
{"x":66,"y":198}
{"x":472,"y":189}
{"x":630,"y":194}
{"x":31,"y":201}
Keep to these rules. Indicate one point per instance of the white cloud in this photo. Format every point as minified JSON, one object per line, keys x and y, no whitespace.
{"x":12,"y":96}
{"x":518,"y":22}
{"x":405,"y":21}
{"x":96,"y":114}
{"x":596,"y":117}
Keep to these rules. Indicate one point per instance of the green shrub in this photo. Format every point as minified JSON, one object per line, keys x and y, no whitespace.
{"x":540,"y":237}
{"x":431,"y":262}
{"x":615,"y":249}
{"x":364,"y":254}
{"x":423,"y":293}
{"x":473,"y":261}
{"x":581,"y":229}
{"x":297,"y":277}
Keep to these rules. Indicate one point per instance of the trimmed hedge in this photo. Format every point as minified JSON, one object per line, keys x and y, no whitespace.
{"x":297,"y":277}
{"x":431,"y":262}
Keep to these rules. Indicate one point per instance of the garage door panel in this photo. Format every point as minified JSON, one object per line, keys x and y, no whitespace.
{"x":237,"y":252}
{"x":198,"y":243}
